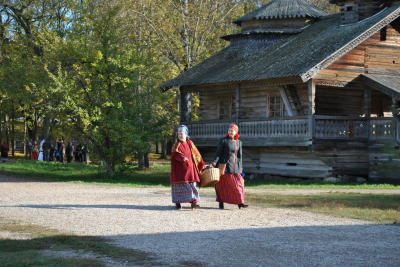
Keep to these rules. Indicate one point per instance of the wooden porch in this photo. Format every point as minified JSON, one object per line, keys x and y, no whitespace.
{"x":297,"y":131}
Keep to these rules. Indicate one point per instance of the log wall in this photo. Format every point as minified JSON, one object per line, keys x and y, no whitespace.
{"x":384,"y":161}
{"x":339,"y":101}
{"x":282,"y":161}
{"x":372,"y":56}
{"x":208,"y":103}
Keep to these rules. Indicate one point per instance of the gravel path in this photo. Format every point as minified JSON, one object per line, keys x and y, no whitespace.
{"x":145,"y":219}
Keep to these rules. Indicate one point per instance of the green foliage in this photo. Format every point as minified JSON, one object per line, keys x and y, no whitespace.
{"x":108,"y":88}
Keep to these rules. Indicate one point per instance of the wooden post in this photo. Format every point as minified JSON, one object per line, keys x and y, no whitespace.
{"x":395,"y":113}
{"x":238,"y":102}
{"x":311,"y":97}
{"x":367,"y":99}
{"x":367,"y":109}
{"x":311,"y":108}
{"x":394,"y":107}
{"x":185,"y":112}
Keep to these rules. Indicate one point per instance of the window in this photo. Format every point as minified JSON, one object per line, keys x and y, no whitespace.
{"x":224,"y":108}
{"x":275,"y":105}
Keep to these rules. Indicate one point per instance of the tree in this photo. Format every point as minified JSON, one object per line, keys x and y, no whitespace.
{"x":97,"y":84}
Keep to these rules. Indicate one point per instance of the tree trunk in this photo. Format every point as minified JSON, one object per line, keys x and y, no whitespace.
{"x":24,"y":133}
{"x":35,"y":130}
{"x":163,"y":149}
{"x":141,"y":161}
{"x":109,"y":169}
{"x":13,"y":130}
{"x":156,"y":147}
{"x":7,"y":128}
{"x":87,"y":158}
{"x":146,"y":160}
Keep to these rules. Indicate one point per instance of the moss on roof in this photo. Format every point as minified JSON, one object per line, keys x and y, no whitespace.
{"x":283,"y":9}
{"x":298,"y":55}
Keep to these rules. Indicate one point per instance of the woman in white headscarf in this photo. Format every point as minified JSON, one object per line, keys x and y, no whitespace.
{"x":40,"y":158}
{"x":186,"y":166}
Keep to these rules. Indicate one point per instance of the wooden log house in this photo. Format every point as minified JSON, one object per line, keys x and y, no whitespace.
{"x":314,"y":95}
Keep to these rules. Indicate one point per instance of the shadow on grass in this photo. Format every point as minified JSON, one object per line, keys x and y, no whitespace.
{"x":52,"y":251}
{"x":251,"y":245}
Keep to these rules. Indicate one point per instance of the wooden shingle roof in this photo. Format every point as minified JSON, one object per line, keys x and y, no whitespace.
{"x":283,"y":9}
{"x":302,"y":55}
{"x":388,"y":84}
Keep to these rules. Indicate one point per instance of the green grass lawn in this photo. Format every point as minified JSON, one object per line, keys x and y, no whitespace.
{"x":31,"y":252}
{"x":382,"y":208}
{"x":156,"y":176}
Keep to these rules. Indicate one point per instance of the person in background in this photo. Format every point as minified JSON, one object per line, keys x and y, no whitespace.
{"x":230,"y":188}
{"x":40,"y":157}
{"x":34,"y":151}
{"x":78,"y":152}
{"x":4,"y":152}
{"x":84,"y":153}
{"x":186,"y":165}
{"x":28,"y":149}
{"x":61,"y":151}
{"x":57,"y":154}
{"x":46,"y":149}
{"x":69,"y":152}
{"x":51,"y":155}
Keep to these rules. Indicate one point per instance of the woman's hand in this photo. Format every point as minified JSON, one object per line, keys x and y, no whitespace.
{"x":211,"y":165}
{"x":185,"y":159}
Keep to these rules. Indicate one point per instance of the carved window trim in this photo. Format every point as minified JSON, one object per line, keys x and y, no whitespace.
{"x":224,"y":98}
{"x":282,"y":104}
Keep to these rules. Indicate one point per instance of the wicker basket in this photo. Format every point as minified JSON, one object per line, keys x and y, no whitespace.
{"x":209,"y":177}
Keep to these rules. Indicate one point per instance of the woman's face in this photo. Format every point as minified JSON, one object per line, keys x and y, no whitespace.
{"x":232,"y":133}
{"x":35,"y":142}
{"x":182,"y":137}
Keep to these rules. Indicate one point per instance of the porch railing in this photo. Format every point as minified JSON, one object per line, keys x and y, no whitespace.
{"x":382,"y":128}
{"x":299,"y":127}
{"x":290,"y":128}
{"x":345,"y":127}
{"x":340,"y":127}
{"x":282,"y":127}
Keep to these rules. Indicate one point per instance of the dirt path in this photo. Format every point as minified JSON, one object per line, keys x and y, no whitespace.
{"x":143,"y":219}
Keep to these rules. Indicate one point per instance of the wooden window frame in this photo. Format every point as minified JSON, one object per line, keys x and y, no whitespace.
{"x":282,"y":108}
{"x":223,"y":98}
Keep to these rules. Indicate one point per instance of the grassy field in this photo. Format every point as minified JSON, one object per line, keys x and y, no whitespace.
{"x":46,"y":247}
{"x":381,"y":208}
{"x":156,"y":176}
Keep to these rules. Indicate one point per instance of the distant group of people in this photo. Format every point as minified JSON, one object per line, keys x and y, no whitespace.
{"x":46,"y":151}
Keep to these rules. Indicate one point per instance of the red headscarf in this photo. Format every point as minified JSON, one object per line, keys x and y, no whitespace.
{"x":236,"y":129}
{"x":4,"y":145}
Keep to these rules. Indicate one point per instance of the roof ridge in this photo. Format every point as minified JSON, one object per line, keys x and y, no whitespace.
{"x":283,"y":9}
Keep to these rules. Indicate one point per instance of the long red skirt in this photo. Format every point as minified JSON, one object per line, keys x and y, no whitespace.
{"x":34,"y":156}
{"x":230,"y":189}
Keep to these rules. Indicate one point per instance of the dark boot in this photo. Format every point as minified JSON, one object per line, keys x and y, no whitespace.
{"x":178,"y":206}
{"x":242,"y":206}
{"x":194,"y":206}
{"x":221,"y":205}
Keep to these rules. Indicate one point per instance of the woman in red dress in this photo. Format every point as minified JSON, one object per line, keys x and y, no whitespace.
{"x":34,"y":152}
{"x":230,"y":188}
{"x":4,"y":152}
{"x":186,"y":165}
